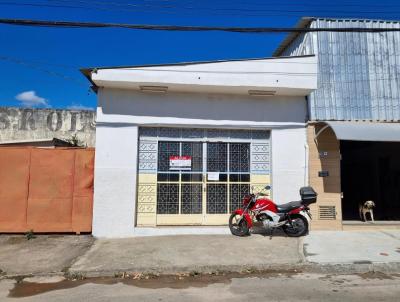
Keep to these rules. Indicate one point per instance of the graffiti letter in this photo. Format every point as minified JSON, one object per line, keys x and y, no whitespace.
{"x":92,"y":121}
{"x":88,"y":120}
{"x":54,"y":121}
{"x":27,"y":120}
{"x":4,"y":121}
{"x":73,"y":121}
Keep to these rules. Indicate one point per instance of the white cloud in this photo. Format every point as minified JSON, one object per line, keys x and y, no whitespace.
{"x":31,"y":99}
{"x":79,"y":107}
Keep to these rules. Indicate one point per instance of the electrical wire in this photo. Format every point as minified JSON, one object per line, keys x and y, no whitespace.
{"x":35,"y":66}
{"x":73,"y":24}
{"x":167,"y":9}
{"x":230,"y":8}
{"x":168,"y":4}
{"x":11,"y":58}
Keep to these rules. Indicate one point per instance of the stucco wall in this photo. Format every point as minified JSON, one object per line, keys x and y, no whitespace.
{"x":289,"y":151}
{"x":120,"y":112}
{"x":20,"y":124}
{"x":115,"y":181}
{"x":119,"y":105}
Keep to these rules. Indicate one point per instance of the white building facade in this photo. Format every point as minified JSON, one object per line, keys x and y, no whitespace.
{"x":179,"y":145}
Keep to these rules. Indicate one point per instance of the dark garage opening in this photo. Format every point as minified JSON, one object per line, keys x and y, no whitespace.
{"x":370,"y":171}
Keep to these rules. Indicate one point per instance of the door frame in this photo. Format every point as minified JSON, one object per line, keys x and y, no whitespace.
{"x":148,"y":139}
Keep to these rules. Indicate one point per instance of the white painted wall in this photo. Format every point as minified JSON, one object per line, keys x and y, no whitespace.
{"x":130,"y":106}
{"x":121,"y":112}
{"x":288,"y":163}
{"x":115,"y":181}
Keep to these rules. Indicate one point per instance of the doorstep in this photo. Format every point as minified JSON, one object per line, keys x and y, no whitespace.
{"x":356,"y":225}
{"x":181,"y":230}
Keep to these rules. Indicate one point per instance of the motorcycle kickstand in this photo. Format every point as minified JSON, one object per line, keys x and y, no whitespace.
{"x":271,"y":233}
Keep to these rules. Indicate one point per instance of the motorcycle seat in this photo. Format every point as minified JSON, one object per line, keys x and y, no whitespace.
{"x":287,"y":207}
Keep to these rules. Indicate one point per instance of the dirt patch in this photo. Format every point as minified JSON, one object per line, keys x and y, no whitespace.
{"x":374,"y":275}
{"x":178,"y":281}
{"x":334,"y":279}
{"x":362,"y":262}
{"x":16,"y":240}
{"x":325,"y":278}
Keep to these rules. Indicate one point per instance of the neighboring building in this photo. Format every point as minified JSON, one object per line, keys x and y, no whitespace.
{"x":180,"y":144}
{"x":354,"y":129}
{"x":38,"y":127}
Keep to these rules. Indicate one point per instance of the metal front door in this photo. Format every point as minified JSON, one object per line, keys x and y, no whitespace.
{"x":208,"y":191}
{"x":179,"y":191}
{"x":227,"y":179}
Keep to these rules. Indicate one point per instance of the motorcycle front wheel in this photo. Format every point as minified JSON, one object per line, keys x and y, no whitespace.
{"x":238,"y":225}
{"x":298,"y":228}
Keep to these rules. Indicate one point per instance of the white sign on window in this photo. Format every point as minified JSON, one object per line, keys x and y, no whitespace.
{"x":213,"y":176}
{"x":180,"y":163}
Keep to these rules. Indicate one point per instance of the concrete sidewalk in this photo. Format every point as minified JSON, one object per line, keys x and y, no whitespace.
{"x":323,"y":251}
{"x":188,"y":253}
{"x":45,"y":254}
{"x":349,"y":247}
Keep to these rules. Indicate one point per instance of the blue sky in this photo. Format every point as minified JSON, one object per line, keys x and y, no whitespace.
{"x":40,"y":66}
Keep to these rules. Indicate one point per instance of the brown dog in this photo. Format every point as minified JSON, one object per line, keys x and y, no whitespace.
{"x":366,"y":207}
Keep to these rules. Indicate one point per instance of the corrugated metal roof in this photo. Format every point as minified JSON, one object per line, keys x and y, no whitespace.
{"x":304,"y":22}
{"x":358,"y":73}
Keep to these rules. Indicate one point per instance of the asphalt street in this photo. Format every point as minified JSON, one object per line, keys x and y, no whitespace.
{"x":267,"y":287}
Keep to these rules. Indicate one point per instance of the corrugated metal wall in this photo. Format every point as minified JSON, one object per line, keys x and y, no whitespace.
{"x":359,"y":73}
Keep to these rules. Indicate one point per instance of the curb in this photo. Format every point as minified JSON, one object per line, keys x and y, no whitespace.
{"x":304,"y":267}
{"x":328,"y":268}
{"x":352,"y":268}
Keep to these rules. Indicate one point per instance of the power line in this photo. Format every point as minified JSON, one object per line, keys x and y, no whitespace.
{"x":72,"y":24}
{"x":68,"y":6}
{"x":31,"y":65}
{"x":314,"y":7}
{"x":34,"y":62}
{"x":168,"y":9}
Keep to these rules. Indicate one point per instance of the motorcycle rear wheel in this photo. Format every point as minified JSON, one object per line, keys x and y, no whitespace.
{"x":299,"y":228}
{"x":238,"y":225}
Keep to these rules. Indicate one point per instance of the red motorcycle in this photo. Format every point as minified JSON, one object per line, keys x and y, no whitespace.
{"x":289,"y":216}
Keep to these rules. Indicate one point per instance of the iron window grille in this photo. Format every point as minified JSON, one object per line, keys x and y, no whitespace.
{"x":181,"y":192}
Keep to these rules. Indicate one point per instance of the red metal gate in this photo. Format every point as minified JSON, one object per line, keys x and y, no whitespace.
{"x":46,"y":190}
